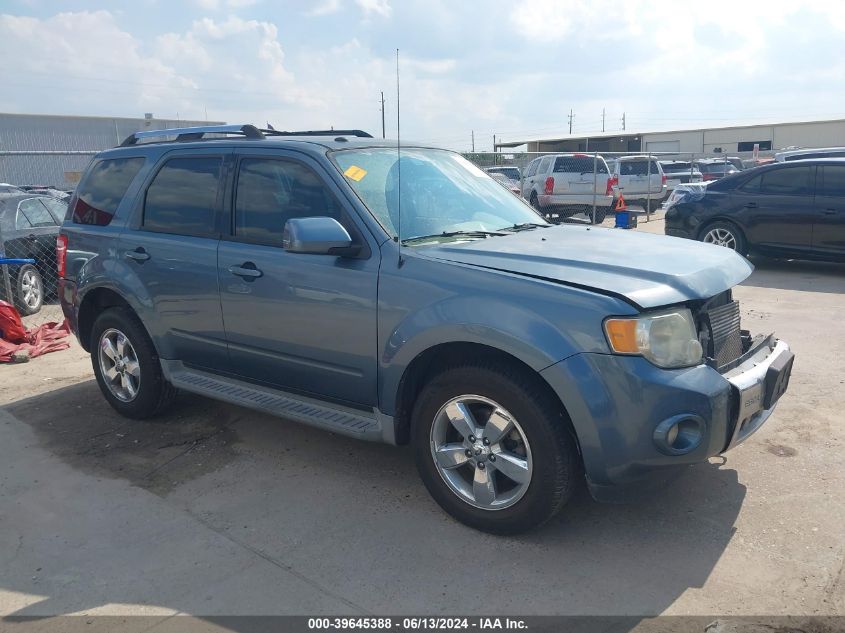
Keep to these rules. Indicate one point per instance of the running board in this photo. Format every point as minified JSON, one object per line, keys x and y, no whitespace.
{"x":327,"y":416}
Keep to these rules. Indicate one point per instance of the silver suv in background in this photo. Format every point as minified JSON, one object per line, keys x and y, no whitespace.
{"x":561,"y":185}
{"x":806,"y":154}
{"x":640,"y":179}
{"x":679,"y":172}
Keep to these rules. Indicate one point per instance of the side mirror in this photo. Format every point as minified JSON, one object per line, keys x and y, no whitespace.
{"x":318,"y":236}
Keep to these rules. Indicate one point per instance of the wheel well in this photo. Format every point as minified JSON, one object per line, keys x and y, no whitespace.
{"x":93,"y":304}
{"x":439,"y":358}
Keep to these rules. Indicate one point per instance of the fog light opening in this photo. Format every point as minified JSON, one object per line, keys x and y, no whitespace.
{"x":679,"y":435}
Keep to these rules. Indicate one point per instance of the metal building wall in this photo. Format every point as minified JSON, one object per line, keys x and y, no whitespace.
{"x":54,"y":150}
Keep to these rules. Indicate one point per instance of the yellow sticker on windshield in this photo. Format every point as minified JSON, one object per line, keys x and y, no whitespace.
{"x":355,"y":173}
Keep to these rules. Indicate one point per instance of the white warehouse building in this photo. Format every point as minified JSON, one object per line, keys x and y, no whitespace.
{"x":738,"y":139}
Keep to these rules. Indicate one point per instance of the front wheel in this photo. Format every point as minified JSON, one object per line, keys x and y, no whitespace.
{"x":724,"y":234}
{"x":494,"y":448}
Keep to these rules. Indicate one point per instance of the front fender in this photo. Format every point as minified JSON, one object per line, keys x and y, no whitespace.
{"x":426,"y":303}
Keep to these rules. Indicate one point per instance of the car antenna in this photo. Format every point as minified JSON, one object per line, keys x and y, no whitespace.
{"x":398,"y":168}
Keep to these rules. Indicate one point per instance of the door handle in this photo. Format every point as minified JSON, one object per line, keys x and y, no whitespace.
{"x":751,"y":205}
{"x":139,"y":255}
{"x":247,"y":270}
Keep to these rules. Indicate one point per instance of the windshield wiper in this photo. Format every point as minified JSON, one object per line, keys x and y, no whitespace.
{"x":420,"y":238}
{"x":526,"y":226}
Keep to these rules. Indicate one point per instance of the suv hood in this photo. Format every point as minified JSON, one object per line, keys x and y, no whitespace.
{"x":646,"y":270}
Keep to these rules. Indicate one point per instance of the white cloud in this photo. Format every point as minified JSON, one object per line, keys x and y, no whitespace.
{"x":327,"y":7}
{"x":217,"y":5}
{"x":380,"y":7}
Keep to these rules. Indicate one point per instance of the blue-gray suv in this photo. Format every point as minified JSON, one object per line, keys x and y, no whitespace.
{"x":401,"y":295}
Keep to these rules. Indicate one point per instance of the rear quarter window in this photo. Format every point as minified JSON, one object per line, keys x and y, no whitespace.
{"x":100,"y":192}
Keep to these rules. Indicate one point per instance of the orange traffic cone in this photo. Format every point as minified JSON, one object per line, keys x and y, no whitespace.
{"x":620,"y":204}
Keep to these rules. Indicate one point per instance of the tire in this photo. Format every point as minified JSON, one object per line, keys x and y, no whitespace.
{"x":601,"y":214}
{"x":551,"y":466}
{"x":724,"y":234}
{"x":535,"y":202}
{"x":139,"y":366}
{"x":29,"y":290}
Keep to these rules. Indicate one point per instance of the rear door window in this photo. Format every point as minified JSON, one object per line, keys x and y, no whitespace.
{"x":35,"y":213}
{"x":792,"y":181}
{"x":545,"y":164}
{"x":100,"y":193}
{"x":832,"y":181}
{"x":182,"y":198}
{"x":57,"y":208}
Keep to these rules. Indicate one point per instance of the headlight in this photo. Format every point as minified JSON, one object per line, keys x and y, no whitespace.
{"x":668,"y":339}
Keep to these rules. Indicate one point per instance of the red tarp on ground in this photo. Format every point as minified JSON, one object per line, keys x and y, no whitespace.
{"x":50,"y":337}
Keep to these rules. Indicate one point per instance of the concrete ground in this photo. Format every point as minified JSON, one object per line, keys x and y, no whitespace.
{"x":215,"y":509}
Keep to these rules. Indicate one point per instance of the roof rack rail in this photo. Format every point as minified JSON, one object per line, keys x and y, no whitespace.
{"x":358,"y":133}
{"x":194,"y":133}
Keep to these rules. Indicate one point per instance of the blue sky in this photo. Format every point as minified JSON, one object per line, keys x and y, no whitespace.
{"x":513,"y":69}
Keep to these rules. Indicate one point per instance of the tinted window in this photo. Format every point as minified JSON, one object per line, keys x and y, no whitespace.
{"x":271,"y":192}
{"x":752,"y":185}
{"x":748,"y":146}
{"x":183,"y":196}
{"x":637,"y":168}
{"x":35,"y":213}
{"x":103,"y":188}
{"x":790,"y":181}
{"x":579,"y":165}
{"x":832,"y":181}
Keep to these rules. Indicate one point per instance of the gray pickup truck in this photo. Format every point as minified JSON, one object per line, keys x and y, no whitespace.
{"x":403,"y":296}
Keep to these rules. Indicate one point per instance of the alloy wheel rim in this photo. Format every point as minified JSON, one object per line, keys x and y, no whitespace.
{"x":30,"y":289}
{"x":119,"y":365}
{"x":721,"y":237}
{"x":481,"y":452}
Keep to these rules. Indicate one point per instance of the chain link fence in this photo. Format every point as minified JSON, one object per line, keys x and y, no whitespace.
{"x":586,"y":186}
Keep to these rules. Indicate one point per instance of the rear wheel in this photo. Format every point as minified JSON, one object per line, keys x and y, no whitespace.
{"x":724,"y":234}
{"x":535,"y":201}
{"x":127,"y":367}
{"x":601,"y":214}
{"x":494,"y":448}
{"x":30,"y":290}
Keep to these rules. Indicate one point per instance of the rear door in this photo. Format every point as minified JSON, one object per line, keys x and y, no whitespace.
{"x":172,"y":252}
{"x":829,"y":227}
{"x":777,"y":209}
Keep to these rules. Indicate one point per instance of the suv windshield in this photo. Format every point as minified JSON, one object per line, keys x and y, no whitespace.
{"x":441,"y":192}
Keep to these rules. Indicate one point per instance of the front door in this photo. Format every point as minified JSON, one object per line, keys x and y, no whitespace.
{"x":171,"y":255}
{"x":300,"y":322}
{"x":829,"y":228}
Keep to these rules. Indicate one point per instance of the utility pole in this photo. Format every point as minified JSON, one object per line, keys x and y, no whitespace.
{"x":473,"y":141}
{"x":623,"y":120}
{"x":602,"y":119}
{"x":571,"y":116}
{"x":382,"y":114}
{"x":494,"y":143}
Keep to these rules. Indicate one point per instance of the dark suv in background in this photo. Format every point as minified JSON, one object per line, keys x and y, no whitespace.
{"x":794,"y":209}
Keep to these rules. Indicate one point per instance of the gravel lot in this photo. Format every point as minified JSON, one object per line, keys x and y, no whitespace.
{"x":219,"y":510}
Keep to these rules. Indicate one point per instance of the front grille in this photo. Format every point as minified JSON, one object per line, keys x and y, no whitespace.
{"x":719,"y":333}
